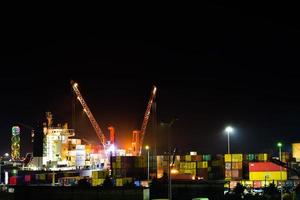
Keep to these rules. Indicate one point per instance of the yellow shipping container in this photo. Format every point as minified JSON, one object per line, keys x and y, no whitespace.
{"x":118,"y":165}
{"x":182,"y":165}
{"x":95,"y":174}
{"x":233,"y":157}
{"x":237,"y":157}
{"x":228,"y":158}
{"x":296,"y":151}
{"x":101,"y":181}
{"x":193,"y":165}
{"x":202,"y":164}
{"x":188,"y":165}
{"x":97,"y":181}
{"x":188,"y":158}
{"x":42,"y":176}
{"x":190,"y":171}
{"x":262,"y":157}
{"x":272,"y":175}
{"x":119,"y":182}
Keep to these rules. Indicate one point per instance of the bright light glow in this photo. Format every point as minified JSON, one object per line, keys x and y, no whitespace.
{"x":75,"y":84}
{"x":6,"y":178}
{"x":78,"y":98}
{"x":229,"y":129}
{"x":154,"y":90}
{"x":147,"y":147}
{"x":84,"y":110}
{"x":193,"y":177}
{"x":279,"y":144}
{"x":112,"y":148}
{"x":6,"y":154}
{"x":174,"y":171}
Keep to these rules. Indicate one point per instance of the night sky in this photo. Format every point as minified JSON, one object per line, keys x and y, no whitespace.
{"x":224,"y":64}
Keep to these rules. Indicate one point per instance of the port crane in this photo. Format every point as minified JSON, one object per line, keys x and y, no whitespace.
{"x":91,"y":117}
{"x":146,"y":119}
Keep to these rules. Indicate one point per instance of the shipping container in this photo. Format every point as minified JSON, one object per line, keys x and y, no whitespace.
{"x":233,"y":157}
{"x":203,"y":164}
{"x":235,"y":173}
{"x":237,"y":165}
{"x":271,"y":175}
{"x":262,"y":157}
{"x":119,"y":182}
{"x":13,"y":180}
{"x":27,"y":178}
{"x":216,"y":163}
{"x":206,"y":157}
{"x":264,"y":166}
{"x":188,"y":158}
{"x":228,"y":166}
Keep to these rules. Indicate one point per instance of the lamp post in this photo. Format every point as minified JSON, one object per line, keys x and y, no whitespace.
{"x":279,"y":145}
{"x":147,"y":148}
{"x":228,"y":131}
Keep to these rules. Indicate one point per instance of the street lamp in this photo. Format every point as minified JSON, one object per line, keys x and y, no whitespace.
{"x":228,"y":131}
{"x":279,"y":145}
{"x":147,"y":148}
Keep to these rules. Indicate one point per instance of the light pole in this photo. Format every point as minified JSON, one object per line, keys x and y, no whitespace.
{"x":147,"y":148}
{"x":279,"y":145}
{"x":228,"y":131}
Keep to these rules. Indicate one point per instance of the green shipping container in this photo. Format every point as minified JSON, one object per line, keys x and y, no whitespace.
{"x":206,"y":157}
{"x":250,"y":157}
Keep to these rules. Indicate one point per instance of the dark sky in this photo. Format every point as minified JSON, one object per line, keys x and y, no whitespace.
{"x":219,"y":65}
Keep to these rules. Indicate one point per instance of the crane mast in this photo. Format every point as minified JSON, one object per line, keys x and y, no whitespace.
{"x":146,"y":118}
{"x":91,"y":117}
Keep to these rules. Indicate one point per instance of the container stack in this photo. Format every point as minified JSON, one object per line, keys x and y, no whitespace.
{"x":233,"y":166}
{"x":216,"y":169}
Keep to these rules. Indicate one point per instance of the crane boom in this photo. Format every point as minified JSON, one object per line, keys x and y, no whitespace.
{"x":146,"y":118}
{"x":91,"y":117}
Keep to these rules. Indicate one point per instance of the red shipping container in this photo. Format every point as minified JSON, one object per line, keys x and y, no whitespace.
{"x":27,"y":178}
{"x":13,"y":180}
{"x":264,"y":166}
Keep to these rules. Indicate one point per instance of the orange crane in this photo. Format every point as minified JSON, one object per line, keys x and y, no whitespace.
{"x":91,"y":117}
{"x":146,"y":119}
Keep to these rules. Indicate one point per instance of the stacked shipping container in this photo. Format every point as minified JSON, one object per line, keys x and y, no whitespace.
{"x":233,"y":166}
